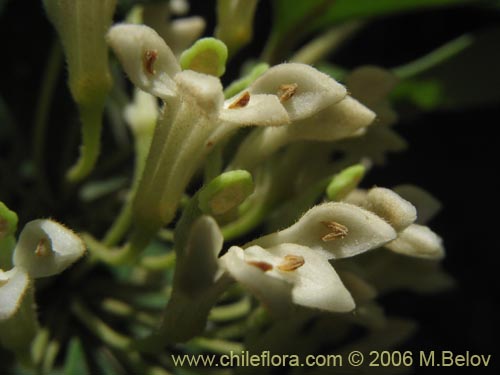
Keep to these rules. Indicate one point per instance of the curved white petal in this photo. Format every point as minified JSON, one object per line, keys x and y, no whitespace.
{"x":260,"y":110}
{"x":147,"y":60}
{"x":337,"y":121}
{"x":427,"y":205}
{"x":46,"y":248}
{"x":335,"y":229}
{"x":273,"y":292}
{"x":315,"y":283}
{"x":390,"y":206}
{"x":418,"y":241}
{"x":202,"y":90}
{"x":371,"y":84}
{"x":13,"y":285}
{"x":312,"y":282}
{"x":302,"y":89}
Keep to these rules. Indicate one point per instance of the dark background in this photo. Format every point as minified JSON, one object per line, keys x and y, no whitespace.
{"x":451,"y":154}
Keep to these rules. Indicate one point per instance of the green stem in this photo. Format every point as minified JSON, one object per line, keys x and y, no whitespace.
{"x":435,"y":57}
{"x":213,"y":165}
{"x":326,"y":43}
{"x":51,"y":73}
{"x":124,"y":219}
{"x":216,"y":345}
{"x":91,"y":118}
{"x":50,"y":357}
{"x":125,"y":310}
{"x":39,"y":346}
{"x":99,"y":328}
{"x":231,"y":311}
{"x":159,"y":262}
{"x":279,"y":44}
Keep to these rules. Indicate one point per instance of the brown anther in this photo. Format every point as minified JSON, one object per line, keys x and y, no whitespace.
{"x":336,"y":230}
{"x":241,"y":102}
{"x":291,"y":263}
{"x":42,"y":249}
{"x":264,"y":266}
{"x":150,"y":57}
{"x":286,"y":91}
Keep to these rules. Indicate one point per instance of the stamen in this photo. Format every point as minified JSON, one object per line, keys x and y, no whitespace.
{"x":241,"y":102}
{"x":42,"y":249}
{"x":286,"y":91}
{"x":264,"y":266}
{"x":150,"y":56}
{"x":336,"y":230}
{"x":291,"y":263}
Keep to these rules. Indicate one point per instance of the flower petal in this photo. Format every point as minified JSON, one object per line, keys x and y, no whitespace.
{"x":13,"y":286}
{"x":390,"y":206}
{"x":147,"y":60}
{"x":427,"y":206}
{"x":302,"y":89}
{"x":418,"y":241}
{"x":337,"y":230}
{"x":274,"y":293}
{"x":260,"y":110}
{"x":203,"y":90}
{"x":337,"y":121}
{"x":315,"y":283}
{"x":371,"y":84}
{"x":46,"y":248}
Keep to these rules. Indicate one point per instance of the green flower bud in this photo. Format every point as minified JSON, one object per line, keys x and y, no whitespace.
{"x":344,"y":182}
{"x":207,"y":55}
{"x":225,"y":192}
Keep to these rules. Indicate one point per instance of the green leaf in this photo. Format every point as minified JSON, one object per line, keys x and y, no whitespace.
{"x":343,"y":10}
{"x":292,"y":22}
{"x":469,"y":78}
{"x":75,"y":362}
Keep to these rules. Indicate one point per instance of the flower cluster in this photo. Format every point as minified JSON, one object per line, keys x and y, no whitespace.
{"x":245,"y":211}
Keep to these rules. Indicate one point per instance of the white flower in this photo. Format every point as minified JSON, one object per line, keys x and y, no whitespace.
{"x":391,"y":207}
{"x":334,"y":229}
{"x":427,"y":205}
{"x":46,"y":248}
{"x":418,"y":241}
{"x":413,"y":239}
{"x":196,"y":117}
{"x":13,"y":286}
{"x":288,"y":273}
